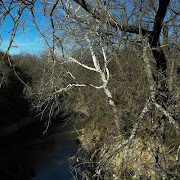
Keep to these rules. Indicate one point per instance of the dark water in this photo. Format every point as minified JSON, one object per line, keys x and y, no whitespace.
{"x":29,"y":156}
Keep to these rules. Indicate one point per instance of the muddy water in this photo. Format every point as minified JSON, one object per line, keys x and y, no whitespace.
{"x":29,"y":156}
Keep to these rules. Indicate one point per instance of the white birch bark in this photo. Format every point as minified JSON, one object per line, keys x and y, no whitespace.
{"x":152,"y":84}
{"x":104,"y":74}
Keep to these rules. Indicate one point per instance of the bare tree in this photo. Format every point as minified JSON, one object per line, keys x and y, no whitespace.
{"x":103,"y":28}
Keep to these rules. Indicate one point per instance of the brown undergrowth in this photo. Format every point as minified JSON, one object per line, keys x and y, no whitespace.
{"x":153,"y":153}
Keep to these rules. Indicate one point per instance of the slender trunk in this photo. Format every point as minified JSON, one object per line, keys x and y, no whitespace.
{"x":159,"y":56}
{"x":105,"y":79}
{"x":171,"y":72}
{"x":112,"y":104}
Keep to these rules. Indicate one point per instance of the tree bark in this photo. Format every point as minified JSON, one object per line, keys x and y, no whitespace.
{"x":161,"y":62}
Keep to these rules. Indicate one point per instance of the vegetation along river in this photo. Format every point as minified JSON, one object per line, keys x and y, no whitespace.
{"x":29,"y":156}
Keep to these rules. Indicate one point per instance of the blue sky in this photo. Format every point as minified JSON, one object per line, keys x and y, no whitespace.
{"x":29,"y":42}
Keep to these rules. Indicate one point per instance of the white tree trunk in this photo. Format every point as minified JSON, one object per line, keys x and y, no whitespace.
{"x":105,"y":78}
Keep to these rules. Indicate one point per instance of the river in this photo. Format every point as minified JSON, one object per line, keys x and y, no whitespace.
{"x":29,"y":156}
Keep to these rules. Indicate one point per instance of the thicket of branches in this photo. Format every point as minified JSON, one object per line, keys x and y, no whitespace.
{"x":120,"y":59}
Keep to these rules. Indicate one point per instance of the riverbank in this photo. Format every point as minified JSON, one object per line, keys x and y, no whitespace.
{"x":106,"y":156}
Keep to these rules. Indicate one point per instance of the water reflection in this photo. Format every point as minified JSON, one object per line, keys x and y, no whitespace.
{"x":38,"y":158}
